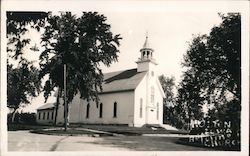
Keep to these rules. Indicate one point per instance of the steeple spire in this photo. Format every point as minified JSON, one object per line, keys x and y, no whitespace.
{"x":146,"y":43}
{"x":146,"y":62}
{"x":146,"y":51}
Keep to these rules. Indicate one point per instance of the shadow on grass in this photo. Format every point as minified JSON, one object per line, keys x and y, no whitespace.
{"x":144,"y":143}
{"x":18,"y":127}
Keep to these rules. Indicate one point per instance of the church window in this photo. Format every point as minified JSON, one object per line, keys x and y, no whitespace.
{"x":87,"y":111}
{"x":141,"y":106}
{"x":115,"y":110}
{"x":39,"y":116}
{"x":152,"y":94}
{"x":43,"y":115}
{"x":47,"y":115}
{"x":157,"y":111}
{"x":100,"y":111}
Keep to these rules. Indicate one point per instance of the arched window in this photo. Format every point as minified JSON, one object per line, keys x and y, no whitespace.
{"x":52,"y":115}
{"x":141,"y":106}
{"x":152,"y":94}
{"x":157,"y":111}
{"x":47,"y":115}
{"x":115,"y":110}
{"x":43,"y":115}
{"x":87,"y":111}
{"x":39,"y":115}
{"x":100,"y":111}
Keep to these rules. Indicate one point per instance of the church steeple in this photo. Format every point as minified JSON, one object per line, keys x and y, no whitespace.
{"x":146,"y":43}
{"x":146,"y":60}
{"x":146,"y":50}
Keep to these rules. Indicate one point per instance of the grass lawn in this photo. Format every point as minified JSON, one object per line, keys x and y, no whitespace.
{"x":60,"y":131}
{"x":80,"y":129}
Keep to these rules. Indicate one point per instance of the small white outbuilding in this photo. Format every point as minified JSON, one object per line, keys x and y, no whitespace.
{"x":45,"y":114}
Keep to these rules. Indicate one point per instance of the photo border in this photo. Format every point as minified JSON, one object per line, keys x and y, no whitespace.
{"x":131,"y":6}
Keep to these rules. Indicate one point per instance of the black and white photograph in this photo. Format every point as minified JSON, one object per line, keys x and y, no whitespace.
{"x":124,"y":77}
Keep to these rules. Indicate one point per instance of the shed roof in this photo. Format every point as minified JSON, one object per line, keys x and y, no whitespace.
{"x":46,"y":106}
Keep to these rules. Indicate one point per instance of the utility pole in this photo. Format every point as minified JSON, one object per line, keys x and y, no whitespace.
{"x":65,"y":99}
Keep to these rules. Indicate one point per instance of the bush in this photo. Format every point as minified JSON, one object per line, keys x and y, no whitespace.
{"x":23,"y":118}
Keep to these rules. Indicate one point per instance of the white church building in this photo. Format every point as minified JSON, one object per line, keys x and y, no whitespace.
{"x":133,"y":97}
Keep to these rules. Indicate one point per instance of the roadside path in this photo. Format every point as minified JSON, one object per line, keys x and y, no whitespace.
{"x":25,"y":141}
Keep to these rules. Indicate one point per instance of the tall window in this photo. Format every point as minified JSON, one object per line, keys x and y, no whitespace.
{"x":87,"y":111}
{"x":157,"y":111}
{"x":52,"y":115}
{"x":115,"y":110}
{"x":47,"y":115}
{"x":152,"y":94}
{"x":100,"y":111}
{"x":39,"y":115}
{"x":141,"y":106}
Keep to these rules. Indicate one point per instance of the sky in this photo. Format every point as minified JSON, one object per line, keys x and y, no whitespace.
{"x":169,"y":34}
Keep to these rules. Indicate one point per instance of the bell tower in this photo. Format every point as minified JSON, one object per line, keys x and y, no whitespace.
{"x":146,"y":60}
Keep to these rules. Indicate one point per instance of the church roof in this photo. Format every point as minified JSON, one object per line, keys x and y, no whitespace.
{"x":122,"y":80}
{"x":46,"y":106}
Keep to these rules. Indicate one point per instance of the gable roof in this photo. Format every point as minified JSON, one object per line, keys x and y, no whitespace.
{"x":122,"y":80}
{"x":46,"y":106}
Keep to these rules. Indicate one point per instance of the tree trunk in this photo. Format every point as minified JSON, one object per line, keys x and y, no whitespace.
{"x":65,"y":99}
{"x":57,"y":104}
{"x":13,"y":115}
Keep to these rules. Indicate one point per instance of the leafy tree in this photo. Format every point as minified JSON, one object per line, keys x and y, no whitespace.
{"x":82,"y":43}
{"x":168,"y":88}
{"x":218,"y":60}
{"x":169,"y":102}
{"x":190,"y":96}
{"x":173,"y":112}
{"x":18,"y":24}
{"x":23,"y":82}
{"x":213,"y":72}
